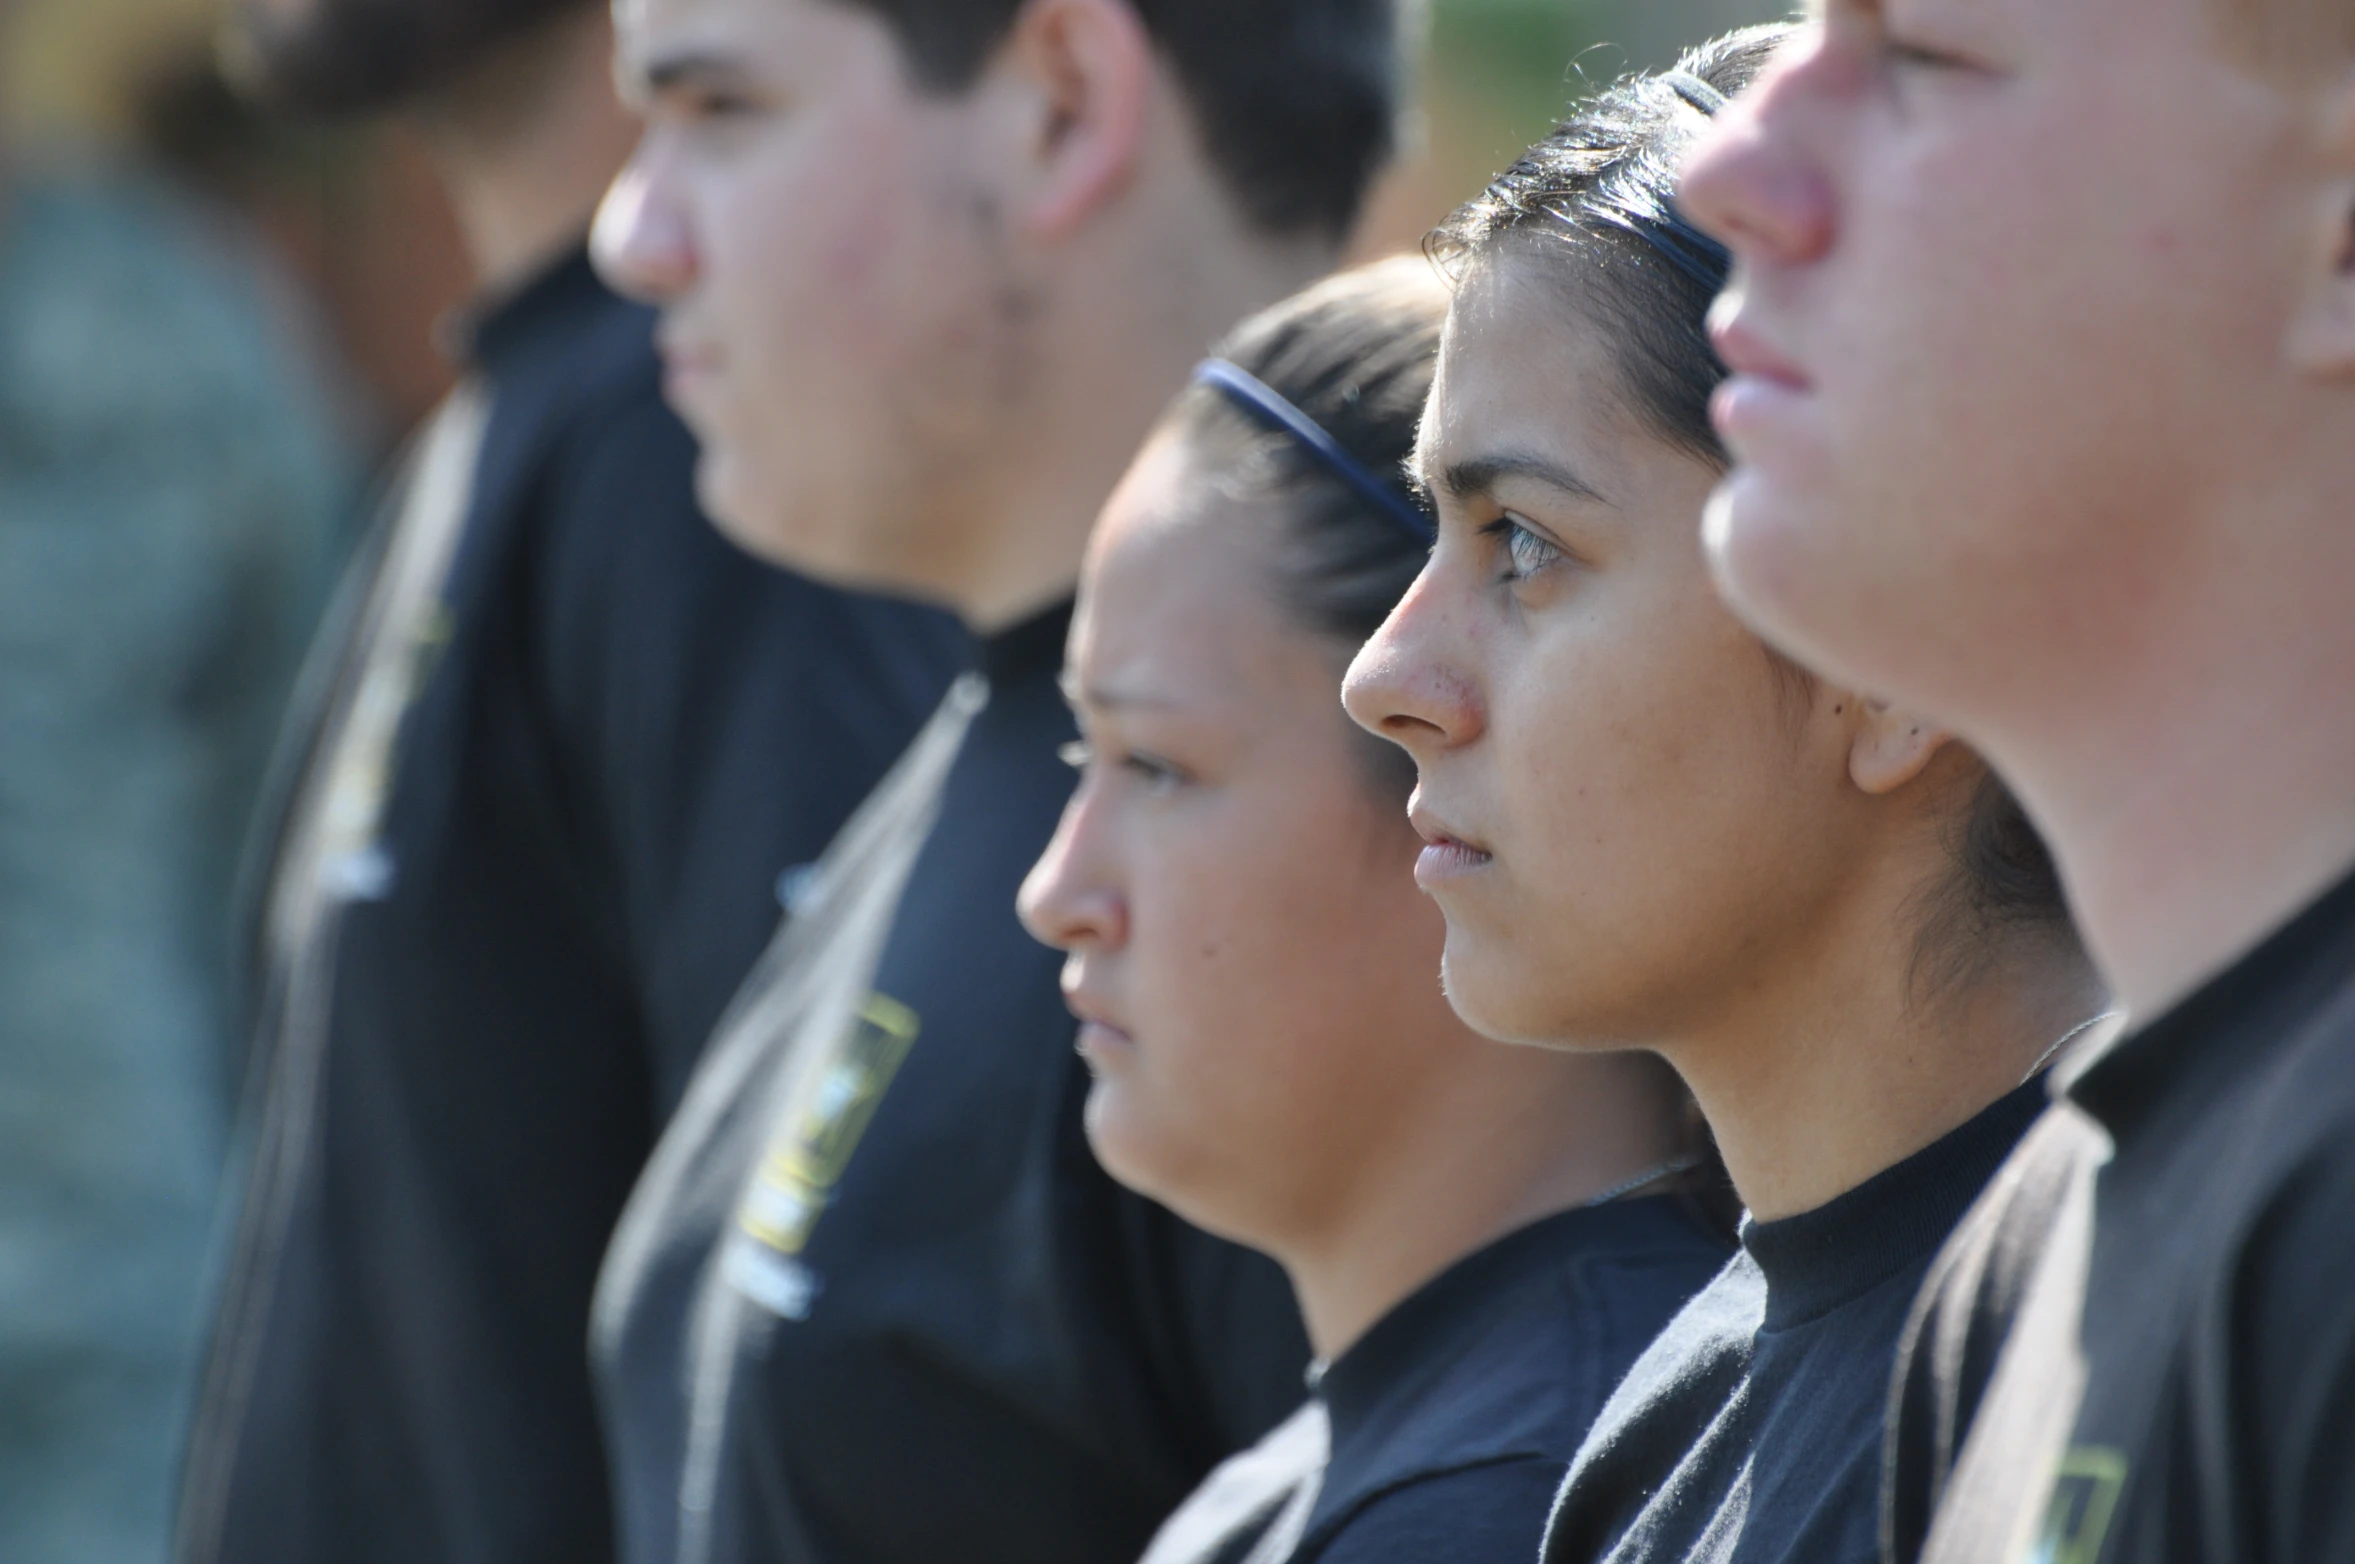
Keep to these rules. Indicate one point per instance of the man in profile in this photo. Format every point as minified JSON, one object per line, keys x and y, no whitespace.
{"x":557,"y":751}
{"x":929,"y":269}
{"x":2043,"y":343}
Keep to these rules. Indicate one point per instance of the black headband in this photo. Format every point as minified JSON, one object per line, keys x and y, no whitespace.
{"x":1662,"y":225}
{"x":1256,"y":397}
{"x":1693,"y":90}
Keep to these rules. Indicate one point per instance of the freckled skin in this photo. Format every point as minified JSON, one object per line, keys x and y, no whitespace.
{"x":1662,"y":831}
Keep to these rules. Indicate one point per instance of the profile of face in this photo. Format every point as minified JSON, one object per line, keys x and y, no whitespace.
{"x":356,"y":56}
{"x":1256,"y":974}
{"x":2013,"y":283}
{"x":841,"y":307}
{"x":1637,"y":818}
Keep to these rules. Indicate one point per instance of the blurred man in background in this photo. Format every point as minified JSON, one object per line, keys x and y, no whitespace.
{"x":171,"y":494}
{"x":561,"y":744}
{"x":929,"y":270}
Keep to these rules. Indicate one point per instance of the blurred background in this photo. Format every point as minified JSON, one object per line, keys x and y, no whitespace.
{"x":357,"y":218}
{"x":213,"y":330}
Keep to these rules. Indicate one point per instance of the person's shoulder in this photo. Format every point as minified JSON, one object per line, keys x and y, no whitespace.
{"x":1557,"y":1337}
{"x":1627,"y":1283}
{"x":1702,"y":1348}
{"x":1978,"y":1278}
{"x":2290,"y":1279}
{"x":2267,"y":1355}
{"x":1677,"y":1388}
{"x":1968,"y":1308}
{"x":1493,"y":1513}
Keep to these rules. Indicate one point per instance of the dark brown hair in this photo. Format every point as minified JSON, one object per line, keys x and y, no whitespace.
{"x":1356,"y":353}
{"x":1296,"y":100}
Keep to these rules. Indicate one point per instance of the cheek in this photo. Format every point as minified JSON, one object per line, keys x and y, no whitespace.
{"x":1665,"y":802}
{"x":1254,"y":944}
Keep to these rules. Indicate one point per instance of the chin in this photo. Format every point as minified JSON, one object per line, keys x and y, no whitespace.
{"x":754,"y":517}
{"x":1490,"y":996}
{"x":1772,"y":561}
{"x":721,"y":491}
{"x":1150,"y":1159}
{"x":1121,"y":1137}
{"x":1856,"y":604}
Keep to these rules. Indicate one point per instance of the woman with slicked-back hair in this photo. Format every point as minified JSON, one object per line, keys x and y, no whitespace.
{"x":1648,"y":830}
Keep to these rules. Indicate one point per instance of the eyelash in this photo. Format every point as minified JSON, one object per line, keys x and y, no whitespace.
{"x":1519,"y":543}
{"x":1916,"y":57}
{"x":1080,"y":755}
{"x":717,"y":108}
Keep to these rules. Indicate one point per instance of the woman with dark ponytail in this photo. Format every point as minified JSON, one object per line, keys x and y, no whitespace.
{"x":1482,"y":1239}
{"x":1645,"y":829}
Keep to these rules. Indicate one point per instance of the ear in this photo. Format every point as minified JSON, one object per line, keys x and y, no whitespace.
{"x":1088,"y":68}
{"x":1892,"y":746}
{"x":2322,"y":336}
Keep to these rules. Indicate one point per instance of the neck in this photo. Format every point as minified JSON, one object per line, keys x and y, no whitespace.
{"x":1107,"y":357}
{"x":2197,"y":867}
{"x":2219,"y":799}
{"x":526,"y":141}
{"x":1854,"y":1067}
{"x":1484,"y":1156}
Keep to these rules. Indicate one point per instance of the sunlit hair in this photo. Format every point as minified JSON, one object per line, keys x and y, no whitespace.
{"x":1296,"y":100}
{"x":1581,"y":201}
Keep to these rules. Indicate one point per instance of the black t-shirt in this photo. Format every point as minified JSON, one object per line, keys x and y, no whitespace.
{"x":1751,"y":1432}
{"x":617,"y":733}
{"x":1444,"y":1432}
{"x":874,"y":1299}
{"x":2141,"y":1345}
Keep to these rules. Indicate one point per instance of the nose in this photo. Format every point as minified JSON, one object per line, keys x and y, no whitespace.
{"x":641,"y":241}
{"x":1752,"y":180}
{"x":1409,"y":684}
{"x":1068,"y":899}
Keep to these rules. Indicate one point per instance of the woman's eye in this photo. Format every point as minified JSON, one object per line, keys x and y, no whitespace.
{"x":1155,"y":772}
{"x":1525,"y":552}
{"x":1908,"y":56}
{"x":722,"y":105}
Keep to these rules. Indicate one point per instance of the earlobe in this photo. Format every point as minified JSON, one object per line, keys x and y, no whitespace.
{"x":1090,"y":62}
{"x":2322,"y":338}
{"x":1892,"y":746}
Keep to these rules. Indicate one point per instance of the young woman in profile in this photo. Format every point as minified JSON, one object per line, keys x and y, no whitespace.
{"x":1482,"y":1238}
{"x":1646,"y":830}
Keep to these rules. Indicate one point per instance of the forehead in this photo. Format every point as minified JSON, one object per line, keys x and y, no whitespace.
{"x":1176,"y":585}
{"x":1524,"y":366}
{"x":783,"y":32}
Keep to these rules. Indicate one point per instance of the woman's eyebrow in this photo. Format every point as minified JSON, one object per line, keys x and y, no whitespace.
{"x":1479,"y":475}
{"x":1112,"y":697}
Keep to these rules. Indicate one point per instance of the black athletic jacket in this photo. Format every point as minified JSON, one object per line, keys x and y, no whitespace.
{"x":2141,"y":1345}
{"x":622,"y":732}
{"x":874,"y":1301}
